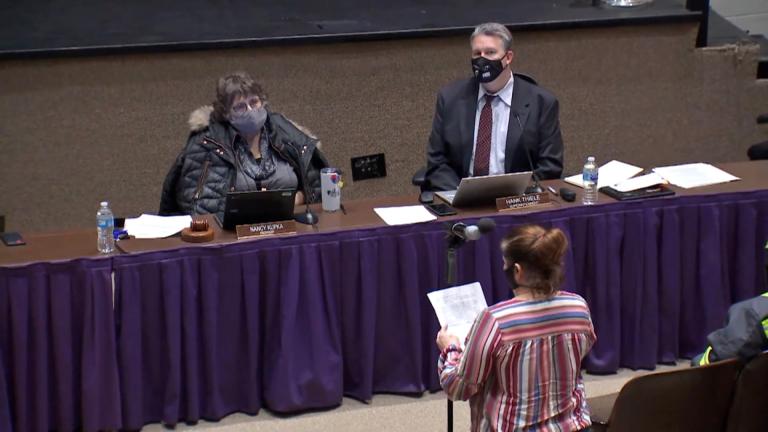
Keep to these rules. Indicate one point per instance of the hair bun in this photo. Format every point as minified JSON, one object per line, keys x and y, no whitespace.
{"x":540,"y":252}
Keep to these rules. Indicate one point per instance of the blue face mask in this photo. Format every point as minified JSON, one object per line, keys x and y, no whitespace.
{"x":250,"y":122}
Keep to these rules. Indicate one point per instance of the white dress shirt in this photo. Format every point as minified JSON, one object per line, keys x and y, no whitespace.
{"x":501,"y":110}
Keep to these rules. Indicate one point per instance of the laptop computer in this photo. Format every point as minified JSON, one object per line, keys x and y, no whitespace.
{"x":484,"y":190}
{"x":257,"y":206}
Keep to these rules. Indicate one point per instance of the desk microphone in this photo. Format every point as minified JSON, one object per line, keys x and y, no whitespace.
{"x":535,"y":187}
{"x":306,"y":218}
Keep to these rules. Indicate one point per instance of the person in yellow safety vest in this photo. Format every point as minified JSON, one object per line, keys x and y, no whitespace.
{"x":745,"y":334}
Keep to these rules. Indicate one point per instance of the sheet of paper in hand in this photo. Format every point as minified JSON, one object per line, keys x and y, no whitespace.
{"x":457,"y":307}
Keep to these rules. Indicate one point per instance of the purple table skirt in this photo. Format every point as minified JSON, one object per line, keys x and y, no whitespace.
{"x":58,"y":368}
{"x":295,"y":323}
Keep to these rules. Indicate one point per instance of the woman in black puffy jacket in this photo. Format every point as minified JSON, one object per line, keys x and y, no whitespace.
{"x":239,"y":145}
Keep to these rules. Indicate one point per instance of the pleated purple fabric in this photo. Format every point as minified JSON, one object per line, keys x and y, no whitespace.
{"x":296,"y":323}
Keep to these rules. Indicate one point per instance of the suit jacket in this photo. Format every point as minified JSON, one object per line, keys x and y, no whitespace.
{"x":450,"y":144}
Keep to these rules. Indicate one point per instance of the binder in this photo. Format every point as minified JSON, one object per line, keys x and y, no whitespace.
{"x":649,"y":192}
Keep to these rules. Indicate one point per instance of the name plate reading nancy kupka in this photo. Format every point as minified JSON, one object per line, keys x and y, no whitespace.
{"x":265,"y":229}
{"x":522,"y":201}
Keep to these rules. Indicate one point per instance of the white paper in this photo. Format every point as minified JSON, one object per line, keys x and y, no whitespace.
{"x":609,"y":174}
{"x":694,"y":175}
{"x":404,"y":215}
{"x":457,"y":307}
{"x":150,"y":226}
{"x":641,"y":182}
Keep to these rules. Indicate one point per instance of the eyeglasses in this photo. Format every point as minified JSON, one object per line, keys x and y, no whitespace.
{"x":244,"y":106}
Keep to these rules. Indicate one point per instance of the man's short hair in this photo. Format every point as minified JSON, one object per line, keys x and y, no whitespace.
{"x":494,"y":29}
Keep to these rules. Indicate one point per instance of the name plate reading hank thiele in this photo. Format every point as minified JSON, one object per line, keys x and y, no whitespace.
{"x":522,"y":201}
{"x":265,"y":229}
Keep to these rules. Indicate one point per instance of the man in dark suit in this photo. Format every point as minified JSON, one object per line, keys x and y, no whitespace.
{"x":486,"y":124}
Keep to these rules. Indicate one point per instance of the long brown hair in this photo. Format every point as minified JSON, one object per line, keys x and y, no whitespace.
{"x":540,"y":252}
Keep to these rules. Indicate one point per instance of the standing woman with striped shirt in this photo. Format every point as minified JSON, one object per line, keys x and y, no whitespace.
{"x":521,"y":364}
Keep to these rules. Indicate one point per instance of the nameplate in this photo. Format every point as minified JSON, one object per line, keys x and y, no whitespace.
{"x":522,"y":201}
{"x":265,"y":229}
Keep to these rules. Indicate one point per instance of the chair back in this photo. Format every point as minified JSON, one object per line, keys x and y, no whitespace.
{"x":748,"y":411}
{"x":695,"y":399}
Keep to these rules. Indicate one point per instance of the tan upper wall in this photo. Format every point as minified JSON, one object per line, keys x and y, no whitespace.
{"x":80,"y":130}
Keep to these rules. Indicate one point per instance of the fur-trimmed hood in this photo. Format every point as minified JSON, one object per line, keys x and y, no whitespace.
{"x":200,"y":118}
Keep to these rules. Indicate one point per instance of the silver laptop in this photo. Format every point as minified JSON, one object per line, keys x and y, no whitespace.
{"x":485,"y":189}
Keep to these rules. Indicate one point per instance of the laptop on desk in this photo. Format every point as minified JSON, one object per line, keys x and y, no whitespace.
{"x":484,"y":190}
{"x":257,"y":206}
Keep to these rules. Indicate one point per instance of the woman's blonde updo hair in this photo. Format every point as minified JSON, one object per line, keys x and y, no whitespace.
{"x":540,"y":252}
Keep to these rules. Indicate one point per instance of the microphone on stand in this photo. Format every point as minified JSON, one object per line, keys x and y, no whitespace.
{"x":308,"y":217}
{"x":459,"y":233}
{"x":535,"y":187}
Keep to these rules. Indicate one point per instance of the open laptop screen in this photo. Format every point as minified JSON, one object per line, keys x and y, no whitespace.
{"x":484,"y":190}
{"x":258,"y":206}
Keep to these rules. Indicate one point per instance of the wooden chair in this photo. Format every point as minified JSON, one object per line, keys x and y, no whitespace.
{"x":696,"y":399}
{"x":748,"y":411}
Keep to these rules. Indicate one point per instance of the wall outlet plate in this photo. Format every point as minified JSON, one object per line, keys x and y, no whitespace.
{"x":368,"y":167}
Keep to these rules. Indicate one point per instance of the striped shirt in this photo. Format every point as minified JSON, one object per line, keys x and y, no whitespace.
{"x":521,"y":369}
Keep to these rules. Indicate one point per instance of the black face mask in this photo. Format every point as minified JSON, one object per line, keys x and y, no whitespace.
{"x":510,"y":275}
{"x":486,"y":70}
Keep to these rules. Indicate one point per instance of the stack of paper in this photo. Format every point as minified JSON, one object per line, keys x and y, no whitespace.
{"x":457,"y":307}
{"x":608,"y":175}
{"x":404,"y":215}
{"x":151,"y":226}
{"x":694,"y":175}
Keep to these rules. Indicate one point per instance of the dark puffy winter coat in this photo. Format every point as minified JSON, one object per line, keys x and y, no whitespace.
{"x":204,"y":171}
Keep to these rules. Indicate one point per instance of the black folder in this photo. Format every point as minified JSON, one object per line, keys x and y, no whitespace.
{"x":649,"y":192}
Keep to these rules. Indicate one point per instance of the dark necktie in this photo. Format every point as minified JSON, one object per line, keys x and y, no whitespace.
{"x":484,"y":131}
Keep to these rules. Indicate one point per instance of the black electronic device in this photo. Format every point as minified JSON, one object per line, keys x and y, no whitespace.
{"x":119,"y":222}
{"x":648,"y":192}
{"x":567,"y":194}
{"x":12,"y":239}
{"x":258,"y":206}
{"x":426,"y":197}
{"x":441,"y":209}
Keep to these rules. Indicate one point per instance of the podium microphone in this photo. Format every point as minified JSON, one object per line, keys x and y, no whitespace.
{"x":535,"y":187}
{"x":472,"y":232}
{"x":308,"y":217}
{"x":459,"y":233}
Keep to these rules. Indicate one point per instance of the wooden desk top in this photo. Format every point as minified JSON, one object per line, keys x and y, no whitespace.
{"x":81,"y":243}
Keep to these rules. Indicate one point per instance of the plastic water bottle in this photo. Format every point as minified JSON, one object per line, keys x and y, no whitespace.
{"x":589,"y":176}
{"x":105,"y":224}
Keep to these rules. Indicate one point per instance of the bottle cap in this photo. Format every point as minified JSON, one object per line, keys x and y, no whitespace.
{"x":104,"y":204}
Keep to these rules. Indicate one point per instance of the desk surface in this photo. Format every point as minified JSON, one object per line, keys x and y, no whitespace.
{"x":81,"y":243}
